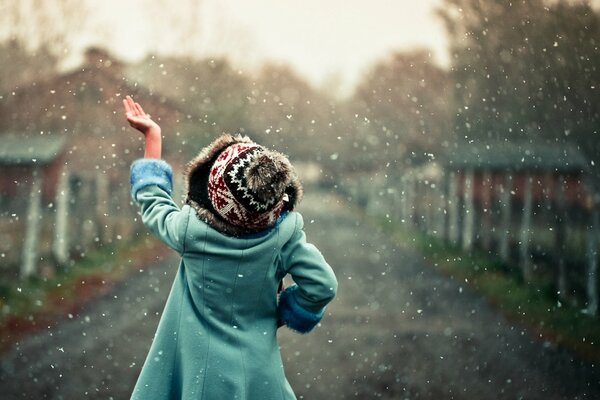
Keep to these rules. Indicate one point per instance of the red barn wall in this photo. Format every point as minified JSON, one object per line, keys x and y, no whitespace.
{"x":15,"y":180}
{"x":544,"y":186}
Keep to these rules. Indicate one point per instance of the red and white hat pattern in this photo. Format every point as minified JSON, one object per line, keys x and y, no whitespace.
{"x":229,"y":193}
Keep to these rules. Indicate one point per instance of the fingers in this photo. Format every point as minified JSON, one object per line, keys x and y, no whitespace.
{"x":129,"y":106}
{"x":126,"y":105}
{"x":139,"y":109}
{"x":132,"y":108}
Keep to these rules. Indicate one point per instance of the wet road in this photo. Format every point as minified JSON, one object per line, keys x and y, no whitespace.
{"x":398,"y":330}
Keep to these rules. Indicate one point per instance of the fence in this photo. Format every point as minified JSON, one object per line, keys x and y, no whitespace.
{"x":88,"y":210}
{"x":524,"y":220}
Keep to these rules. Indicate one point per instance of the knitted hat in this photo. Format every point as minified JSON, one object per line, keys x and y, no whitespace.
{"x":239,"y":187}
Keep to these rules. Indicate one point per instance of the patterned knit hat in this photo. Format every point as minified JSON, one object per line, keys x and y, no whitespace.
{"x":240,"y":187}
{"x":246,"y":185}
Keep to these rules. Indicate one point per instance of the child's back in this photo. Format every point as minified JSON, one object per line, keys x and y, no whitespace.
{"x":217,"y":335}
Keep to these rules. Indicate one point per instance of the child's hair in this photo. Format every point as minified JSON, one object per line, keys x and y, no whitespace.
{"x":240,"y":187}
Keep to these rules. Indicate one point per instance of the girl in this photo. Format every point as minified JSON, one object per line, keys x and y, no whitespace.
{"x":237,"y":236}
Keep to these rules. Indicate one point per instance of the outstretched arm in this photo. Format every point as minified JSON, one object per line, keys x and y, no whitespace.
{"x":141,"y":121}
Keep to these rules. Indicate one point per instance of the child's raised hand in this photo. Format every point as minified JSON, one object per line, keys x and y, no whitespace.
{"x":141,"y":121}
{"x":137,"y":118}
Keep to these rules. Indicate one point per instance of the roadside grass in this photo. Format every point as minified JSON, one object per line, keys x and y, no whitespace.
{"x":533,"y":305}
{"x":34,"y":303}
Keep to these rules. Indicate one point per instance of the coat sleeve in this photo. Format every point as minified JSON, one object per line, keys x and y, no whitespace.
{"x":151,"y":186}
{"x":302,"y":305}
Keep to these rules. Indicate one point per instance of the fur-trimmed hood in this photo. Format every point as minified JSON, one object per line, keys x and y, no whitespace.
{"x":197,"y":174}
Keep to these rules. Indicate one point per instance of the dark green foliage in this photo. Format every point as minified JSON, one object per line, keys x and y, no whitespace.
{"x":526,"y":70}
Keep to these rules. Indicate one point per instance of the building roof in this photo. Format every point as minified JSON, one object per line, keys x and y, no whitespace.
{"x":15,"y":150}
{"x":517,"y":157}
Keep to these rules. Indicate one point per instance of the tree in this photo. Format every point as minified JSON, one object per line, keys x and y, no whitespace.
{"x":402,"y":107}
{"x":42,"y":25}
{"x":20,"y":66}
{"x":211,"y":92}
{"x":525,"y":70}
{"x":292,"y":115}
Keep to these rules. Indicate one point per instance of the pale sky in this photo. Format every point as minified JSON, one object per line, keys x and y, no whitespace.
{"x":323,"y":40}
{"x":326,"y":41}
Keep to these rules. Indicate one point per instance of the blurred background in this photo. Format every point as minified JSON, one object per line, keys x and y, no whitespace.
{"x":465,"y":130}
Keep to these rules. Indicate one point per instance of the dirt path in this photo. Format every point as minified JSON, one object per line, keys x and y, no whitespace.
{"x":96,"y":353}
{"x":398,"y":330}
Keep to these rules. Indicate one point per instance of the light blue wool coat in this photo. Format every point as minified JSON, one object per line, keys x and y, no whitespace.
{"x":216,"y":338}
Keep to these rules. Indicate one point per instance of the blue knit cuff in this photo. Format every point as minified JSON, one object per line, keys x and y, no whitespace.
{"x":294,"y":315}
{"x":150,"y":171}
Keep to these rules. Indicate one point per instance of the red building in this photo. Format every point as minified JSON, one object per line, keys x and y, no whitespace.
{"x":550,"y":167}
{"x":30,"y":174}
{"x":531,"y":198}
{"x":20,"y":157}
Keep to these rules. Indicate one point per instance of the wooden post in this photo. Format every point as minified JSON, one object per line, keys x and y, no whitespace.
{"x":445,"y":205}
{"x":415,"y":210}
{"x":369,"y":189}
{"x":402,"y":193}
{"x":408,"y":199}
{"x":130,"y":228}
{"x":560,"y":236}
{"x":60,"y":246}
{"x":413,"y":189}
{"x":592,"y":259}
{"x":436,"y":206}
{"x":429,"y":208}
{"x":102,"y":201}
{"x":453,"y":208}
{"x":486,"y":212}
{"x":548,"y":191}
{"x":469,"y":212}
{"x":440,"y":194}
{"x":421,"y":206}
{"x":34,"y":224}
{"x":395,"y":212}
{"x":87,"y":201}
{"x":525,"y":258}
{"x":505,"y":217}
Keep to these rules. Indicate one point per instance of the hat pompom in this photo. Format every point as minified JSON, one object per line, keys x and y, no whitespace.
{"x":268,"y":175}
